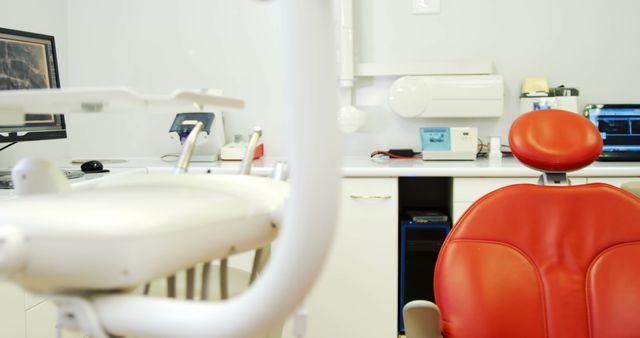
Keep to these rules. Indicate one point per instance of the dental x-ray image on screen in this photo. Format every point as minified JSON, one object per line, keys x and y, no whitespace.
{"x":28,"y":61}
{"x":619,"y":126}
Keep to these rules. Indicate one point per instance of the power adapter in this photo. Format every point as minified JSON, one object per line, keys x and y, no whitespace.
{"x":402,"y":152}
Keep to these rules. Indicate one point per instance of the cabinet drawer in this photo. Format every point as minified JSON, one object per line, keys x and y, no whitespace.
{"x":41,"y":322}
{"x":471,"y":189}
{"x":615,"y":181}
{"x":369,"y":189}
{"x":458,"y":209}
{"x":31,"y":300}
{"x":12,"y":321}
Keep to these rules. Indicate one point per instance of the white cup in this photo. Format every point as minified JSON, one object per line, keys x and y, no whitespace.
{"x":494,"y":147}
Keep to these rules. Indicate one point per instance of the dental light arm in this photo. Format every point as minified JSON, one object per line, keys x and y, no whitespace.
{"x":305,"y":232}
{"x":308,"y":224}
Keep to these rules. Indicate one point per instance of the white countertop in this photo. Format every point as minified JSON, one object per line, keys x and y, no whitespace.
{"x":362,"y":166}
{"x":506,"y":167}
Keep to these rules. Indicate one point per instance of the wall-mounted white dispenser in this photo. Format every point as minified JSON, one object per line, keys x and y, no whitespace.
{"x":448,"y":96}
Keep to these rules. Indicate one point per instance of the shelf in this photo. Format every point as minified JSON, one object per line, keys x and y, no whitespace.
{"x":107,"y":100}
{"x":432,"y":68}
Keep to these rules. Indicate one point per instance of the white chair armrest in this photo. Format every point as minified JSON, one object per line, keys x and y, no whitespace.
{"x":422,"y":320}
{"x":632,"y":187}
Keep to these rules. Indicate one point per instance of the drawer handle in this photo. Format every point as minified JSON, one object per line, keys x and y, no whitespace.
{"x":370,"y":197}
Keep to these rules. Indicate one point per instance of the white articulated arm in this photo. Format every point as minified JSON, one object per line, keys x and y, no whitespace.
{"x":422,"y":320}
{"x":311,"y":213}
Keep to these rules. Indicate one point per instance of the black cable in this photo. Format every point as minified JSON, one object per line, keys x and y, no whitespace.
{"x":481,"y":146}
{"x":7,"y":146}
{"x":394,"y":156}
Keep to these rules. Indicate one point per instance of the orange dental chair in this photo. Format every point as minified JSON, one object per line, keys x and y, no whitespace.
{"x":549,"y":260}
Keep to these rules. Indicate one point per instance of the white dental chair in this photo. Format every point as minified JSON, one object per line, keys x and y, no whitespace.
{"x":87,"y":250}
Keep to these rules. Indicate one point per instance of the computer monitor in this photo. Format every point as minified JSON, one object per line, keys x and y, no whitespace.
{"x":28,"y":61}
{"x":619,"y":126}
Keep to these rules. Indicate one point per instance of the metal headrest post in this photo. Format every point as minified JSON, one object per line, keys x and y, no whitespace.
{"x":559,"y":179}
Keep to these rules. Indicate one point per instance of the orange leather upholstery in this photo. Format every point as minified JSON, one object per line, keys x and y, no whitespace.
{"x":544,"y":261}
{"x":534,"y":261}
{"x":554,"y":140}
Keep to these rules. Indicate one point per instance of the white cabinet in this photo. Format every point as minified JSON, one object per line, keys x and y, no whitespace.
{"x":467,"y":190}
{"x":615,"y":181}
{"x":357,"y":292}
{"x":356,"y":295}
{"x":41,"y":322}
{"x":11,"y":310}
{"x":470,"y":189}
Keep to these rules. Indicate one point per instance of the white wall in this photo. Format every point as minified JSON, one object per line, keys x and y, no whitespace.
{"x":589,"y":44}
{"x":45,"y":17}
{"x":158,"y":46}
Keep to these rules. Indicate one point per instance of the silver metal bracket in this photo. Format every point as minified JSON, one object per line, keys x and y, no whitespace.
{"x":187,"y":149}
{"x":559,"y":179}
{"x":247,"y":161}
{"x":76,"y":313}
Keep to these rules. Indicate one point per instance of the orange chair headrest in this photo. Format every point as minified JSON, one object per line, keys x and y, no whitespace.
{"x":554,"y":140}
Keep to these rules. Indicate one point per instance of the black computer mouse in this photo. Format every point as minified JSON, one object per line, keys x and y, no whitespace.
{"x":93,"y":167}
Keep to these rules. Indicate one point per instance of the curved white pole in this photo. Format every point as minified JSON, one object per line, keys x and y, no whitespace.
{"x":309,"y":224}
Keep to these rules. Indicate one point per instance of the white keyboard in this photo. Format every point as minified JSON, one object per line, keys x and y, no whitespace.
{"x":7,"y":183}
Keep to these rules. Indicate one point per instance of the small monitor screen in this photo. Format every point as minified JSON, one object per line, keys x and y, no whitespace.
{"x":28,"y":61}
{"x":619,"y":126}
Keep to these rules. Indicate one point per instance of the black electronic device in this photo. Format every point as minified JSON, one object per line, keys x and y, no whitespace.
{"x":184,"y":123}
{"x":420,"y":245}
{"x":93,"y":166}
{"x":427,"y":217}
{"x":28,"y":61}
{"x":619,"y":126}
